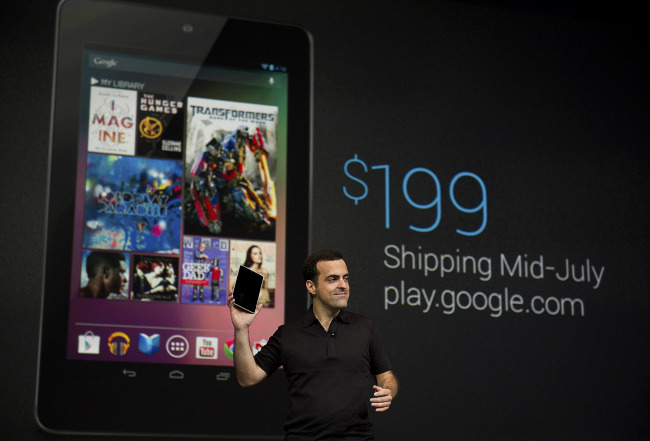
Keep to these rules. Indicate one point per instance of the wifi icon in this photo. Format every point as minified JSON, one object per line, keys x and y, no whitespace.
{"x":265,"y":66}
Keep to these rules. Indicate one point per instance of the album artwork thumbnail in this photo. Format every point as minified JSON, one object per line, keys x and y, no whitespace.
{"x":230,"y":165}
{"x":111,"y":128}
{"x":205,"y":270}
{"x":154,"y":278}
{"x":160,"y":126}
{"x":104,"y":275}
{"x":133,"y":204}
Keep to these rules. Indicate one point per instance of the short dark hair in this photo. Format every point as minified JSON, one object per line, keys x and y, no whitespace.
{"x":98,"y":259}
{"x":310,"y":268}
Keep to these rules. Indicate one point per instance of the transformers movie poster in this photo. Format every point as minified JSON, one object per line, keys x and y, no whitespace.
{"x":132,"y":204}
{"x":230,"y":169}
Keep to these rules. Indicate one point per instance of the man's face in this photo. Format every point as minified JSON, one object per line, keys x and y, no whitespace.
{"x":116,"y":279}
{"x":333,"y":288}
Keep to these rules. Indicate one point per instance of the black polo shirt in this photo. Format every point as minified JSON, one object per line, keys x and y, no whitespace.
{"x":330,"y":375}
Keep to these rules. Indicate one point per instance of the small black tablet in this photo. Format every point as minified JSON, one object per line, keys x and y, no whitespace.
{"x":246,"y":291}
{"x":180,"y":144}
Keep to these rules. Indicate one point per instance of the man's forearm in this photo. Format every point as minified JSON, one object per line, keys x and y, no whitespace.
{"x":247,"y":371}
{"x":389,"y":381}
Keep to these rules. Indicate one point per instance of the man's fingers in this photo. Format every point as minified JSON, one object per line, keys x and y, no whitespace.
{"x":382,"y":399}
{"x":381,"y":407}
{"x":380,"y":392}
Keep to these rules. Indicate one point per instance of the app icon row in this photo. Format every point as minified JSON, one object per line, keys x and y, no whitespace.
{"x":177,"y":346}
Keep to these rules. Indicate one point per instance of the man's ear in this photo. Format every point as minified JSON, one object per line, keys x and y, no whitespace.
{"x":310,"y":287}
{"x":106,"y":272}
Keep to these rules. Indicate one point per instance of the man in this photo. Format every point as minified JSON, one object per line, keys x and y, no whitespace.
{"x":330,"y":357}
{"x":106,"y":276}
{"x":199,"y":257}
{"x":215,"y":280}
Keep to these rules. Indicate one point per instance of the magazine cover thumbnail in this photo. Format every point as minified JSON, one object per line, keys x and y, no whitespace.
{"x":111,"y":128}
{"x":205,"y":270}
{"x":104,"y":275}
{"x":230,"y":165}
{"x":160,"y":127}
{"x":154,"y":278}
{"x":260,"y":257}
{"x":132,"y":204}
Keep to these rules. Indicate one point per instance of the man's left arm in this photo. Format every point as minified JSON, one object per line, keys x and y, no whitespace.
{"x":385,"y":391}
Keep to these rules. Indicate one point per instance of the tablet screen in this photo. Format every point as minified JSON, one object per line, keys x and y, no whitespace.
{"x":180,"y":180}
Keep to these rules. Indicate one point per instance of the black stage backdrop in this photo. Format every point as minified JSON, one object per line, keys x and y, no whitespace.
{"x":483,"y":168}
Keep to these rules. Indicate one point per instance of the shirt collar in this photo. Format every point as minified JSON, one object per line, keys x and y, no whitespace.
{"x":310,"y":317}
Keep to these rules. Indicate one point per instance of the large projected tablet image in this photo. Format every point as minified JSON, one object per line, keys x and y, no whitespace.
{"x":178,"y":139}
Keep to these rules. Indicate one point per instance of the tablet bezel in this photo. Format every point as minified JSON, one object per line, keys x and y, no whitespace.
{"x":114,"y":395}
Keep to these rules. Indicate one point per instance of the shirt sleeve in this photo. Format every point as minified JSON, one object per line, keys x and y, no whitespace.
{"x":269,"y":358}
{"x":379,"y":362}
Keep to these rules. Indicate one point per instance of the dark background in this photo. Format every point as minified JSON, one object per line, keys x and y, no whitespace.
{"x":546,"y":102}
